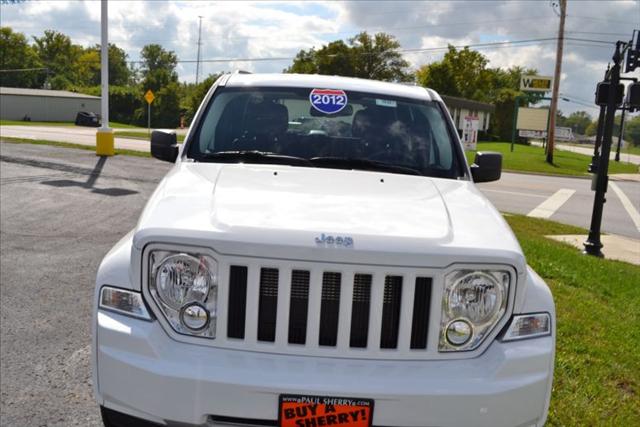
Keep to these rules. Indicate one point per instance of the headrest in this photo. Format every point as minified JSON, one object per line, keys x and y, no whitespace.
{"x":266,"y":118}
{"x":371,"y":120}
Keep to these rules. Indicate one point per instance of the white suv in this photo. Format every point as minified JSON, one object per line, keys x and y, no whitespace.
{"x":319,"y":255}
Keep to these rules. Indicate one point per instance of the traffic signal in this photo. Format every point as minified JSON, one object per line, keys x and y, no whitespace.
{"x":633,"y":95}
{"x":602,"y":94}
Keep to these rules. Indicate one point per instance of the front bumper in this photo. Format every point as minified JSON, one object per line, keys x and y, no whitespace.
{"x":141,"y":371}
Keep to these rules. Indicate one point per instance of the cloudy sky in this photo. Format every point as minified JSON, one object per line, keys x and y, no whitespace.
{"x":277,"y":30}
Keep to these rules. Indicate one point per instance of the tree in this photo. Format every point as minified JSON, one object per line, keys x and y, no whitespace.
{"x":632,"y":130}
{"x":15,"y":54}
{"x":578,"y":121}
{"x":464,"y":73}
{"x":89,"y":66}
{"x":364,"y":56}
{"x":60,"y":56}
{"x":460,"y":73}
{"x":378,"y":57}
{"x":158,"y":67}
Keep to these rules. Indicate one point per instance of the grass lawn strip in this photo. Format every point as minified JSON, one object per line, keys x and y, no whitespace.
{"x":597,"y":376}
{"x":526,"y":158}
{"x":140,"y":135}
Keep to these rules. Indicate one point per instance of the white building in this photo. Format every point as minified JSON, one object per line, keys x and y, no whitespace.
{"x":464,"y":109}
{"x":44,"y":105}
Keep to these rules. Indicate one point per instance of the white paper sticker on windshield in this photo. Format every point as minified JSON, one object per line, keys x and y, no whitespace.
{"x":386,"y":103}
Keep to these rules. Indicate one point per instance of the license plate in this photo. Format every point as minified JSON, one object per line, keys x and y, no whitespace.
{"x":319,"y":411}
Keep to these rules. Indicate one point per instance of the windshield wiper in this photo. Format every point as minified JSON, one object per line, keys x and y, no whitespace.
{"x":253,"y":156}
{"x":362,"y":164}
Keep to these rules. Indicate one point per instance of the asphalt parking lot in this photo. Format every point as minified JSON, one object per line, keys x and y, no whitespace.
{"x":61,"y":210}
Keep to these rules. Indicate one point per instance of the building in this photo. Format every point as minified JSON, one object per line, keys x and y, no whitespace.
{"x":465,"y":110}
{"x":41,"y":105}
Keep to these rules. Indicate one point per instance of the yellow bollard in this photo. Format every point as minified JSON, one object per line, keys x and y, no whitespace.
{"x":104,"y":143}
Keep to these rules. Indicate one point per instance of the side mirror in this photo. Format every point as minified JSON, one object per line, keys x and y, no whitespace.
{"x":487,"y":166}
{"x":164,"y":145}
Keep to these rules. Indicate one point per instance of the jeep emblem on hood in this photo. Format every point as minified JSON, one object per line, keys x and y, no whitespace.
{"x":327,"y":240}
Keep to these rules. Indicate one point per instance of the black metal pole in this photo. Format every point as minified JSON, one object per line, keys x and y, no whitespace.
{"x":593,"y":245}
{"x":593,"y":167}
{"x":620,"y":135}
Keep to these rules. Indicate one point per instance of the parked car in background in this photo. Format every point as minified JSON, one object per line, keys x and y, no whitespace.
{"x":85,"y":118}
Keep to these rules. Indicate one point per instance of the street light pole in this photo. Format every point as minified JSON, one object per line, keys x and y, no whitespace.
{"x":593,"y":245}
{"x":104,"y":136}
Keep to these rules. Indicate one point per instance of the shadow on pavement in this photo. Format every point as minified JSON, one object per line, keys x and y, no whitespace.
{"x":91,"y":181}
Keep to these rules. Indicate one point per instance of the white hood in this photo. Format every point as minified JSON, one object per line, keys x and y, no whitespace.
{"x":278,"y":211}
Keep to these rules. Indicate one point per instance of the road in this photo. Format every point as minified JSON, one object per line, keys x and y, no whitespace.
{"x":588,"y":151}
{"x":521,"y":193}
{"x":75,"y":135}
{"x":62,"y":209}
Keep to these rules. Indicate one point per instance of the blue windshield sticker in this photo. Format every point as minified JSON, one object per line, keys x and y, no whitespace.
{"x":328,"y":101}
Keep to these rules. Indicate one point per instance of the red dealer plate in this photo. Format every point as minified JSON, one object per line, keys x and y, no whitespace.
{"x":320,"y":411}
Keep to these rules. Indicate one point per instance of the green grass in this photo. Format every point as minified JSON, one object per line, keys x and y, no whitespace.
{"x":597,"y":373}
{"x":140,"y":134}
{"x":525,"y":158}
{"x":118,"y":151}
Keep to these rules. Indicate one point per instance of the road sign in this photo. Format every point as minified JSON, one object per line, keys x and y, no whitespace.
{"x":536,"y":83}
{"x":149,"y":97}
{"x":532,"y":118}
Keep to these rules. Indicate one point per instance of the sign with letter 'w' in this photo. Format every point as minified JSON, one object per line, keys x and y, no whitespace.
{"x":536,"y":83}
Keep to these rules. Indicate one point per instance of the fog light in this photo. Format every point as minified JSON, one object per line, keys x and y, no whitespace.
{"x":194,"y":317}
{"x":458,"y":332}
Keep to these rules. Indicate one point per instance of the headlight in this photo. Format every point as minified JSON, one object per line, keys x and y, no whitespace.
{"x":473,"y":302}
{"x":185,"y":287}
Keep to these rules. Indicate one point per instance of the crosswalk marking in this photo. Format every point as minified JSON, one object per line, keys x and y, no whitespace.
{"x":552,"y":204}
{"x":631,"y":210}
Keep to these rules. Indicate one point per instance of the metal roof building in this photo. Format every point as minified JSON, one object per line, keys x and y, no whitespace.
{"x":44,"y":105}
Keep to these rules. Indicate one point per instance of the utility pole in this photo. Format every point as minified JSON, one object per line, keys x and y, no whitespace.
{"x":104,"y":136}
{"x":199,"y":44}
{"x":551,"y":131}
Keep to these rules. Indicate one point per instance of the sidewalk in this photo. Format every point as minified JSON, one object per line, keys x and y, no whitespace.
{"x":614,"y":247}
{"x":588,"y":151}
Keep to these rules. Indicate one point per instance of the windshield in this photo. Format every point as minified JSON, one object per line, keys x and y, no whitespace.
{"x":327,"y":128}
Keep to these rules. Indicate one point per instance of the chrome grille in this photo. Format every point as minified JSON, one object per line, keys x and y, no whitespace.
{"x":329,"y":309}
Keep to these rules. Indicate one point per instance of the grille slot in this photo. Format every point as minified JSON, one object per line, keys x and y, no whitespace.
{"x":298,"y":307}
{"x":391,"y":312}
{"x":237,"y":301}
{"x":329,"y":309}
{"x":421,"y":306}
{"x":360,"y":310}
{"x":268,"y":304}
